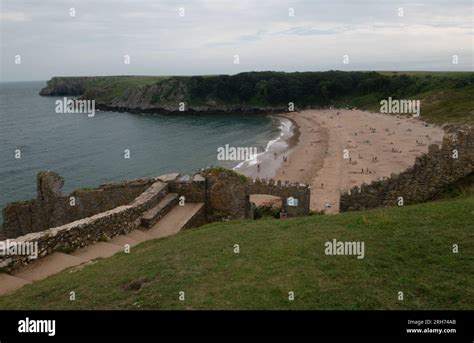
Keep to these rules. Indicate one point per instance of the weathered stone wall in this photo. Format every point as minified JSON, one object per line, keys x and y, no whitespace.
{"x":430,"y":175}
{"x":79,"y":233}
{"x":51,"y":208}
{"x":225,"y":194}
{"x":197,"y":220}
{"x":228,"y":195}
{"x":298,"y":191}
{"x":74,"y":235}
{"x":193,"y":188}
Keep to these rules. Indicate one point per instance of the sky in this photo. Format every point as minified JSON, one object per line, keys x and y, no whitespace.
{"x":198,"y":37}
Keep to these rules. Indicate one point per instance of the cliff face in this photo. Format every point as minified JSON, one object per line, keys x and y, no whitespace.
{"x":145,"y":95}
{"x":66,"y":86}
{"x":165,"y":94}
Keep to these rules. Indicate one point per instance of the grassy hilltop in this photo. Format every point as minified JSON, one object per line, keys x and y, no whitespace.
{"x":407,"y":249}
{"x":445,"y":96}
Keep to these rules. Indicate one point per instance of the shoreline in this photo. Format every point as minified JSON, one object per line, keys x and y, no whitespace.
{"x":266,"y":164}
{"x":377,"y":146}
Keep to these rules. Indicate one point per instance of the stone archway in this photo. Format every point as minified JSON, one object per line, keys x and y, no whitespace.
{"x":228,"y":195}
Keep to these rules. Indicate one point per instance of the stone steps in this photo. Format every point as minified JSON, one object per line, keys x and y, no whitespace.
{"x":175,"y":220}
{"x":172,"y":222}
{"x":154,"y":214}
{"x":151,"y":196}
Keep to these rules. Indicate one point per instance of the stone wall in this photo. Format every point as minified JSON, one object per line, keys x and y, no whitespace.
{"x":430,"y":175}
{"x":116,"y":209}
{"x":74,"y":235}
{"x":79,"y":233}
{"x":52,"y":208}
{"x":194,"y":189}
{"x":228,"y":195}
{"x":285,"y":190}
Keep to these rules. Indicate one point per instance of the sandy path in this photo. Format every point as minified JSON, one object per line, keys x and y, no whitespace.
{"x":318,"y":159}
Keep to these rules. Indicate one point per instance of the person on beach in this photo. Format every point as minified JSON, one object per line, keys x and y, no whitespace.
{"x":258,"y":168}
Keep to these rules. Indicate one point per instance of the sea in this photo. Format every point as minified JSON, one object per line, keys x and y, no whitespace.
{"x":114,"y":146}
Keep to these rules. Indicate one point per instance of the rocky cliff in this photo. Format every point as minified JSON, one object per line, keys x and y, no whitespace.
{"x":66,"y":86}
{"x":145,"y":95}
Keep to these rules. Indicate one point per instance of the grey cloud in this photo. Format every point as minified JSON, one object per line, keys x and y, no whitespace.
{"x":211,"y":32}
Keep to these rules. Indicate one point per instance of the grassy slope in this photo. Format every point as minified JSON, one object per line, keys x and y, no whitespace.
{"x":453,"y":106}
{"x":407,"y":249}
{"x":445,"y":103}
{"x":115,"y":86}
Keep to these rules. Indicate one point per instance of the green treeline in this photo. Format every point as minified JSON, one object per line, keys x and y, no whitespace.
{"x":446,"y":97}
{"x":316,"y":88}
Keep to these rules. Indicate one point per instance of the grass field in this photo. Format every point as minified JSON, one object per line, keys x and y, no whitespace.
{"x":407,"y":249}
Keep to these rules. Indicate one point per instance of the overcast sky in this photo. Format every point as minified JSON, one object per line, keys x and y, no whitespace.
{"x":204,"y":41}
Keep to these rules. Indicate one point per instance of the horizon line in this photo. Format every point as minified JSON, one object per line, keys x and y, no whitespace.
{"x":251,"y":71}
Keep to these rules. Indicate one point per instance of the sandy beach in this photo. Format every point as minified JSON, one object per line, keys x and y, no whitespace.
{"x":377,"y":145}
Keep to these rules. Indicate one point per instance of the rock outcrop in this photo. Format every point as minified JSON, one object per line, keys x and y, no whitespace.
{"x":66,"y":86}
{"x":48,"y":185}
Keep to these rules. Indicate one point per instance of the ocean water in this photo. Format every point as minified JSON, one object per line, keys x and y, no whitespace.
{"x":88,"y":151}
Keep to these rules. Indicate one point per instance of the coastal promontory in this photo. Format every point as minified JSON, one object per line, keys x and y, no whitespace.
{"x":270,"y":92}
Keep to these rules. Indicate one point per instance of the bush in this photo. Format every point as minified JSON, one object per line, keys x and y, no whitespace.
{"x":267,"y":210}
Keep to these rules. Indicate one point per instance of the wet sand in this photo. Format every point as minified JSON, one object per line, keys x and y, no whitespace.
{"x":267,"y":162}
{"x":377,"y":144}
